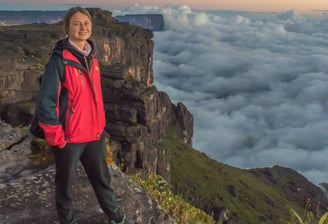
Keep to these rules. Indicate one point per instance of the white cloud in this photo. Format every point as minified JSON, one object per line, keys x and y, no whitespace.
{"x":257,"y":85}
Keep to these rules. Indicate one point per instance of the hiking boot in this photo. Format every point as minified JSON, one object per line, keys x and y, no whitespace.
{"x":123,"y":221}
{"x":118,"y":217}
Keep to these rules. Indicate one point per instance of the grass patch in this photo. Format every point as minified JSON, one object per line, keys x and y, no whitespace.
{"x":174,"y":205}
{"x":213,"y":186}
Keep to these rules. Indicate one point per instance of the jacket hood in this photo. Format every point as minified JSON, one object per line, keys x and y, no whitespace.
{"x":64,"y":44}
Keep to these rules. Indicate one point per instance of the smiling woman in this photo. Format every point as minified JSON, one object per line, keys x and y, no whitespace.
{"x":78,"y":28}
{"x":71,"y":114}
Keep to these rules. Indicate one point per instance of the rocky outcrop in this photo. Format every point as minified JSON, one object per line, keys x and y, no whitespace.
{"x":137,"y":113}
{"x":27,"y":189}
{"x":31,"y":200}
{"x":324,"y":188}
{"x":293,"y":184}
{"x":9,"y":136}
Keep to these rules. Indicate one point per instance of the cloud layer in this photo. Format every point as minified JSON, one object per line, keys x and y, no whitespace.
{"x":256,"y":83}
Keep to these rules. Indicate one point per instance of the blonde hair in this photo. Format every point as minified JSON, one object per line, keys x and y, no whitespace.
{"x":71,"y":12}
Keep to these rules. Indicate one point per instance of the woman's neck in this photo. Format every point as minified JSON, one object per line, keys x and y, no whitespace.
{"x":79,"y":44}
{"x":84,"y":51}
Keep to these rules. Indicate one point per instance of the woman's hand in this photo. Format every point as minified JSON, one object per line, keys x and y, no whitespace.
{"x":62,"y":146}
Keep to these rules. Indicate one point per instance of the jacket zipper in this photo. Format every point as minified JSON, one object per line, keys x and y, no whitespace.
{"x":81,"y":76}
{"x":91,"y":75}
{"x":70,"y":112}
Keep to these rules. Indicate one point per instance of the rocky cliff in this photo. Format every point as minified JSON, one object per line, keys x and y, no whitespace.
{"x":292,"y":183}
{"x":137,"y":113}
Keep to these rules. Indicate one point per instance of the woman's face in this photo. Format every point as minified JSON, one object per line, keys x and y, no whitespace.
{"x":79,"y":28}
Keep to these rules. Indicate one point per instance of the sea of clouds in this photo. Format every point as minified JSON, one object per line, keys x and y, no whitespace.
{"x":256,"y":84}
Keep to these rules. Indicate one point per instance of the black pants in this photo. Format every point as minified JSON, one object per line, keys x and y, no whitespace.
{"x":93,"y":157}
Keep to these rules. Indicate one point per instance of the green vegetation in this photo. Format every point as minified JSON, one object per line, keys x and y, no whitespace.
{"x":209,"y":185}
{"x":308,"y":217}
{"x":41,"y":154}
{"x":174,"y":205}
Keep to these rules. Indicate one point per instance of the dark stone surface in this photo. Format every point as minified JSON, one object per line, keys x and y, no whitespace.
{"x":31,"y":200}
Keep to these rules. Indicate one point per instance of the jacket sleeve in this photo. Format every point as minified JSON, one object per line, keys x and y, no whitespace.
{"x":48,"y":105}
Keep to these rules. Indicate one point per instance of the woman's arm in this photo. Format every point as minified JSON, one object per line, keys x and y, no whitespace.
{"x":48,"y":105}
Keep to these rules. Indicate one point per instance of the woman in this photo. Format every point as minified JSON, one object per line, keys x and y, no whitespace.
{"x":71,"y":113}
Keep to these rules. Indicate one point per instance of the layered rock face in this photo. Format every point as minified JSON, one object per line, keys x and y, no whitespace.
{"x":137,"y":113}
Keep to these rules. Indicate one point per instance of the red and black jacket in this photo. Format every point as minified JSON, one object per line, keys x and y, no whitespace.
{"x":71,"y":109}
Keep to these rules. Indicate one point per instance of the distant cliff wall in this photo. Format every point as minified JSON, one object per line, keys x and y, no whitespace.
{"x":137,"y":113}
{"x":154,"y":22}
{"x":13,"y":17}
